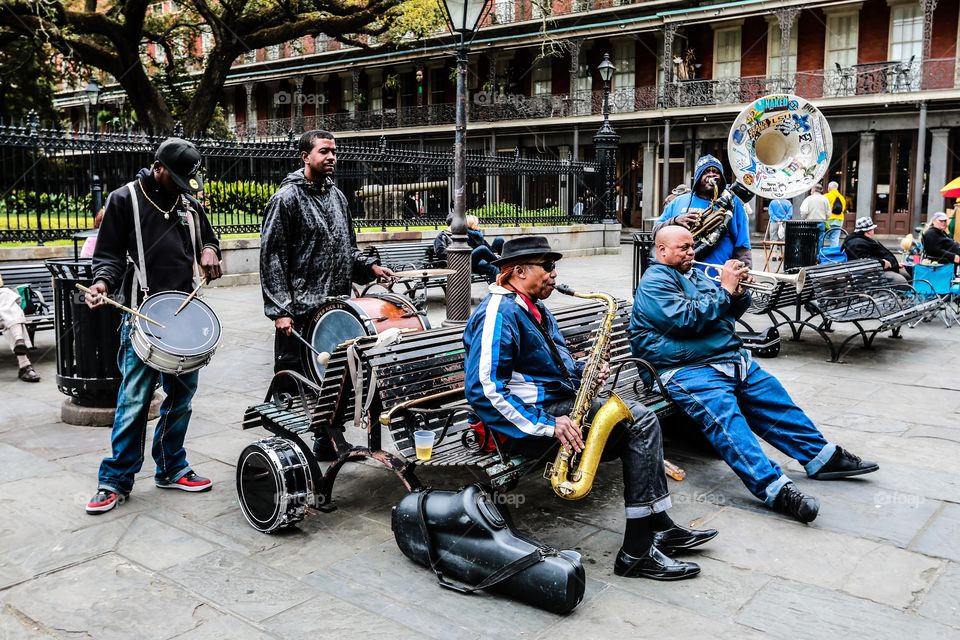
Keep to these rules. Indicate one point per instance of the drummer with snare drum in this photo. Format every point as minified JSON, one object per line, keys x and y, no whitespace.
{"x":170,"y":244}
{"x":308,"y":248}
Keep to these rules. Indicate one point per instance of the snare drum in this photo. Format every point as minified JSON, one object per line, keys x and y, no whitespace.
{"x":337,"y":321}
{"x":187,"y":340}
{"x":274,"y":484}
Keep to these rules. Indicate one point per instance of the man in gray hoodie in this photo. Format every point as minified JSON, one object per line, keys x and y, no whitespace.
{"x":308,"y":248}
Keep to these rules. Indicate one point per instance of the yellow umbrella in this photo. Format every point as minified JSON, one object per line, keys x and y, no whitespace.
{"x":952,"y":189}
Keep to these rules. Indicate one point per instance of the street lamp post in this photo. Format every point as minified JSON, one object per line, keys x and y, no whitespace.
{"x":605,"y":142}
{"x":96,"y":190}
{"x":463,"y":17}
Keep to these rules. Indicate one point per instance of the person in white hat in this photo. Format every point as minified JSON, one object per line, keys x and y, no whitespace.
{"x":937,"y":244}
{"x":861,"y":244}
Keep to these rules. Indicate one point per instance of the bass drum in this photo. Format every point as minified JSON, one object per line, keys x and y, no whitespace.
{"x":274,"y":484}
{"x":339,"y":320}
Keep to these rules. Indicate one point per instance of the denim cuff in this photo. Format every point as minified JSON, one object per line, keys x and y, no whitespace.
{"x":774,"y":488}
{"x":179,"y":474}
{"x":646,"y":510}
{"x":822,"y":458}
{"x":108,"y":487}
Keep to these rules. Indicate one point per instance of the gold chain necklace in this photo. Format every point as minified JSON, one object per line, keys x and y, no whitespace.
{"x":166,"y":214}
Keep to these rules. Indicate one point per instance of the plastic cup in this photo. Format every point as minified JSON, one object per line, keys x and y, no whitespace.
{"x":423,"y":441}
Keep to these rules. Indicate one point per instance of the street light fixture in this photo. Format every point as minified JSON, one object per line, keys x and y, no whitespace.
{"x":605,"y":143}
{"x":92,"y":91}
{"x":463,"y":17}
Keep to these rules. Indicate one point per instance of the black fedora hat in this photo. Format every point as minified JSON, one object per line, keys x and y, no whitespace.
{"x":516,"y":249}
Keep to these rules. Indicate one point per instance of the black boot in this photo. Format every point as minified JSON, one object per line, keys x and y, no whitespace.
{"x":793,"y":503}
{"x":843,"y":464}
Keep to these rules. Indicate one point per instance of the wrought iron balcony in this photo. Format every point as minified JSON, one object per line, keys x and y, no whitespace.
{"x":875,"y":78}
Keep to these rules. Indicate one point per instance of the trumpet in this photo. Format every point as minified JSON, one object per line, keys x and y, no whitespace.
{"x":768,"y":280}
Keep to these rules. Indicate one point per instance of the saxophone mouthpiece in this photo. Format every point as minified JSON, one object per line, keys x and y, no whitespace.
{"x":565,"y":289}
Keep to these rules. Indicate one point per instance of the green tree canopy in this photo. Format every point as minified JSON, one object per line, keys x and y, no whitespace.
{"x":177,"y":82}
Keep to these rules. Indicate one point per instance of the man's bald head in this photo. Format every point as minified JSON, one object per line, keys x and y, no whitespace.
{"x":675,"y":245}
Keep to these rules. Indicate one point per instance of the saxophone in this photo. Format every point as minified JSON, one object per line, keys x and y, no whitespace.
{"x":572,"y":475}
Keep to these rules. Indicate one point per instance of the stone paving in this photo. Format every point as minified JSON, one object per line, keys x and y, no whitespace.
{"x":882,"y":560}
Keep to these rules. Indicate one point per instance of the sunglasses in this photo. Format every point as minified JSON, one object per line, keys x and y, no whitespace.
{"x":548,"y":266}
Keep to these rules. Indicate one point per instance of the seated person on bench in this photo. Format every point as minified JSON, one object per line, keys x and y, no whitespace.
{"x":862,"y":244}
{"x":482,"y":254}
{"x":521,"y":380}
{"x":13,"y":323}
{"x":937,"y":244}
{"x":685,"y":326}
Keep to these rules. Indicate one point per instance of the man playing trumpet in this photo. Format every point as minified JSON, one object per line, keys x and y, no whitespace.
{"x":684,"y":325}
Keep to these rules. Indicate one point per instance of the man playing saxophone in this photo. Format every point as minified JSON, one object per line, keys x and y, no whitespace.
{"x":687,"y":211}
{"x":521,"y":380}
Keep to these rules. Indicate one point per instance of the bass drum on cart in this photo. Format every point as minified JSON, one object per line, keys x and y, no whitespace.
{"x":339,"y":320}
{"x":274,"y":484}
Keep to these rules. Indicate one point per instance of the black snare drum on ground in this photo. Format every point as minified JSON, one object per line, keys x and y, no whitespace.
{"x":274,"y":484}
{"x":185,"y":342}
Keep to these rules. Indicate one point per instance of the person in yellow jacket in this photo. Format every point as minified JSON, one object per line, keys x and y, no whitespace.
{"x":838,"y":209}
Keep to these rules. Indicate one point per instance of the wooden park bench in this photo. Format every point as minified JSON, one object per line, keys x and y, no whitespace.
{"x":37,"y":276}
{"x":417,"y":383}
{"x":852,"y":292}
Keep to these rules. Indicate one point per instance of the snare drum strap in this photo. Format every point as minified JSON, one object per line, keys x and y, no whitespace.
{"x":139,"y":267}
{"x":192,"y":225}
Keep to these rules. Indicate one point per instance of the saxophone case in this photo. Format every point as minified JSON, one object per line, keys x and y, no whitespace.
{"x":463,"y":535}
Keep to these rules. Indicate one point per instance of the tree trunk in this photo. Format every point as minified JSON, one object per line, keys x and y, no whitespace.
{"x":209,"y":89}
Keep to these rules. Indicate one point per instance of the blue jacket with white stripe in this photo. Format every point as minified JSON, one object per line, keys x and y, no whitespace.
{"x":511,"y":372}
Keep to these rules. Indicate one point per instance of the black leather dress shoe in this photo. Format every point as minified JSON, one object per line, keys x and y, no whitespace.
{"x":843,"y":464}
{"x":678,"y":538}
{"x":654,"y":565}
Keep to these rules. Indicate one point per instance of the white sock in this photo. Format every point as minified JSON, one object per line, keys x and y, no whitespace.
{"x":23,"y":361}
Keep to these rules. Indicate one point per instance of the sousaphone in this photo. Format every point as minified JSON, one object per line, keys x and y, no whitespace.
{"x":779,"y":146}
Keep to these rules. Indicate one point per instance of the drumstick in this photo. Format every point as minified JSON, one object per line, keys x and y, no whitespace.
{"x":116,"y":304}
{"x":323,"y":358}
{"x":203,"y":281}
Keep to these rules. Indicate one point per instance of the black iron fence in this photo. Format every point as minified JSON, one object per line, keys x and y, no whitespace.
{"x":48,"y":189}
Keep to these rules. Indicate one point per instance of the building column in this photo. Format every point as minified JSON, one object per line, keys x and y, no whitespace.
{"x":689,"y":159}
{"x":297,"y":121}
{"x":866,"y":175}
{"x":669,"y":32}
{"x":939,"y":155}
{"x":230,"y":106}
{"x":251,"y":110}
{"x":648,"y":206}
{"x":785,"y":18}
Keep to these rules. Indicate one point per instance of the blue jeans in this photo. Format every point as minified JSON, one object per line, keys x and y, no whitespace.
{"x":733,"y":412}
{"x":832,"y":234}
{"x":481,"y":259}
{"x":130,"y":421}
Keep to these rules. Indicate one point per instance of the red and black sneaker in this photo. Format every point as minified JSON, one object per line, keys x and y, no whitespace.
{"x":189,"y":482}
{"x":104,"y":501}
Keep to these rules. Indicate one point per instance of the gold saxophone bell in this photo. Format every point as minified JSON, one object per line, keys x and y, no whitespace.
{"x":768,"y":279}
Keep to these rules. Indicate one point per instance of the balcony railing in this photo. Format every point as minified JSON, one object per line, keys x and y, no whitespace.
{"x":879,"y":78}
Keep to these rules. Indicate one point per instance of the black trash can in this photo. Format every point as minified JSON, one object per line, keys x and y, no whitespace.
{"x":800,"y":244}
{"x":88,"y":340}
{"x":642,"y":251}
